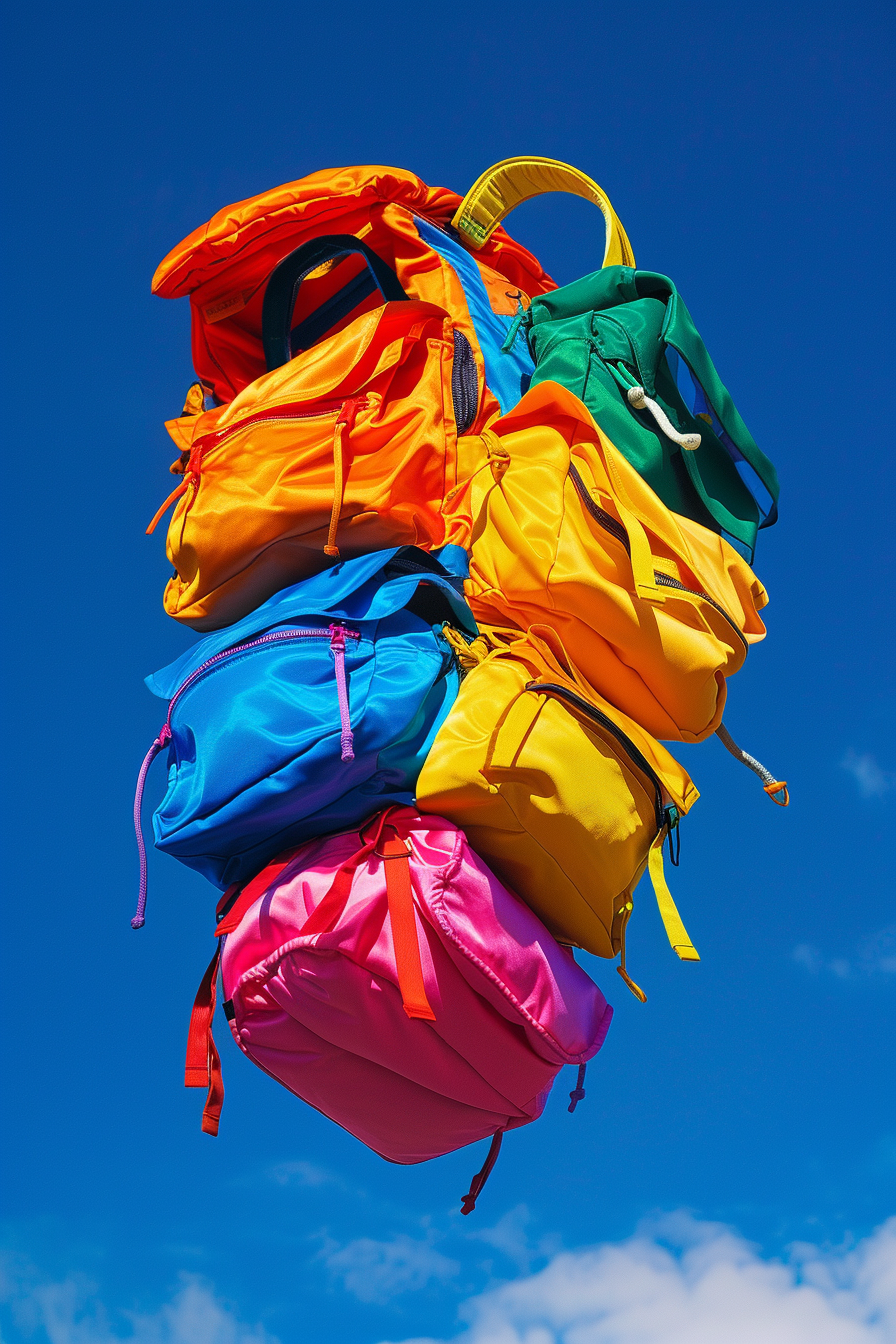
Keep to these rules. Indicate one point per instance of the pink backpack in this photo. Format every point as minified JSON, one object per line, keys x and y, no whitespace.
{"x":393,"y":983}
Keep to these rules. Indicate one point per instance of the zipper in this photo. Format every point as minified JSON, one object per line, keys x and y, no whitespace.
{"x":615,"y":528}
{"x":464,"y":383}
{"x":664,"y":815}
{"x":337,"y":635}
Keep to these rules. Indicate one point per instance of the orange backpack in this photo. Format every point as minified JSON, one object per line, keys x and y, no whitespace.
{"x":445,"y":250}
{"x":656,"y":609}
{"x":348,"y":450}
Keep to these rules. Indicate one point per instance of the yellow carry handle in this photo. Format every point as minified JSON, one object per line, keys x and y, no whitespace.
{"x":494,"y":194}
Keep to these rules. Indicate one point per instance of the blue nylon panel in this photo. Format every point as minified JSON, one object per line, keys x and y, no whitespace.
{"x":504,"y":373}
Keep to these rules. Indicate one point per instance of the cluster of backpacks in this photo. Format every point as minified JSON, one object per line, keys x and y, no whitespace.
{"x":463,"y":547}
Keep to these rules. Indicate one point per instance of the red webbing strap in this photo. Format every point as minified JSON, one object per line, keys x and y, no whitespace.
{"x":396,"y":855}
{"x":203,"y":1064}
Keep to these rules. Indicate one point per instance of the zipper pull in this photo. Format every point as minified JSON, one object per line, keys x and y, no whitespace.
{"x":349,"y":412}
{"x":337,"y":647}
{"x":673,"y":817}
{"x":520,"y":317}
{"x":163,"y":738}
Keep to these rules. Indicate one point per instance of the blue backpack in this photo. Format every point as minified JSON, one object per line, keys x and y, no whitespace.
{"x":307,"y":716}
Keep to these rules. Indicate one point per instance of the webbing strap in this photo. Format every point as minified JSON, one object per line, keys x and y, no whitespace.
{"x":399,"y":893}
{"x":512,"y":181}
{"x":203,"y":1063}
{"x":203,"y":1066}
{"x":675,"y":929}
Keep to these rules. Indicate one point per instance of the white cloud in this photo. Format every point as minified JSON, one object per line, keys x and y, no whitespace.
{"x":873,"y":782}
{"x":376,"y":1271}
{"x":70,"y":1312}
{"x":510,"y":1236}
{"x":303,"y":1173}
{"x":875,"y":955}
{"x":683,"y":1282}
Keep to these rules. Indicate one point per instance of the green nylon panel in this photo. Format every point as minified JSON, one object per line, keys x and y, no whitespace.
{"x":620,"y":315}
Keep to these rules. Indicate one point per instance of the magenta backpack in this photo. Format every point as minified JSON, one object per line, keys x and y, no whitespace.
{"x":393,"y":983}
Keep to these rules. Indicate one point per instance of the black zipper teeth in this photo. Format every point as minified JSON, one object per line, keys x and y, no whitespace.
{"x":667,"y":581}
{"x":625,"y":742}
{"x":600,"y":515}
{"x":464,"y":383}
{"x":607,"y":521}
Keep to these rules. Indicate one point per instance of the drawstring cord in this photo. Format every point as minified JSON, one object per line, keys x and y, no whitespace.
{"x":578,"y":1092}
{"x":468,"y":1203}
{"x":164,"y":737}
{"x":773,"y":787}
{"x":637,"y":397}
{"x":344,"y":423}
{"x":639,"y":400}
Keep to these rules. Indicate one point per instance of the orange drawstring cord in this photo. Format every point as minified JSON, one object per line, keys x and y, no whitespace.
{"x":343,"y":425}
{"x":175,"y":494}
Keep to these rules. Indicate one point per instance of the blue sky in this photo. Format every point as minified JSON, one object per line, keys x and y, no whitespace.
{"x":746,"y":151}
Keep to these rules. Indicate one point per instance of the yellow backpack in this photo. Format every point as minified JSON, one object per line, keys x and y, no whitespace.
{"x":656,"y":609}
{"x":565,"y":797}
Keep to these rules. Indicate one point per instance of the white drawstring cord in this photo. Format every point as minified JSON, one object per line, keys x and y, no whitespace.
{"x":638,"y":398}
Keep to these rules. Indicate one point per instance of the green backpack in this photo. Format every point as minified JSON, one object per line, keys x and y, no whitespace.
{"x":623,"y":341}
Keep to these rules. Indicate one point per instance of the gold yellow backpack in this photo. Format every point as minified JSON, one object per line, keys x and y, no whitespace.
{"x":656,"y":610}
{"x":565,"y":797}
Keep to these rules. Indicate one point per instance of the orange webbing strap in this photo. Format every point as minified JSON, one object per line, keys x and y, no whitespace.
{"x":203,"y":1064}
{"x":396,"y":854}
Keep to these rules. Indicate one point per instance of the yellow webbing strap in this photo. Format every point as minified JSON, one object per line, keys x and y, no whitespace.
{"x":494,"y":194}
{"x":675,"y":930}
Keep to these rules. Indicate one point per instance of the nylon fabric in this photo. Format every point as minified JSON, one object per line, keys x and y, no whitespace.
{"x":657,"y":610}
{"x":553,"y":797}
{"x":323,"y":1013}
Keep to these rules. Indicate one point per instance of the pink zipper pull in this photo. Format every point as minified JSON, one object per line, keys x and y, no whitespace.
{"x":164,"y":737}
{"x":337,"y":645}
